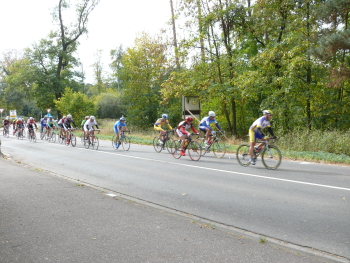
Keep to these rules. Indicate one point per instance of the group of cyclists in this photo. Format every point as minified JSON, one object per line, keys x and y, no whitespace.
{"x":205,"y":125}
{"x":161,"y":125}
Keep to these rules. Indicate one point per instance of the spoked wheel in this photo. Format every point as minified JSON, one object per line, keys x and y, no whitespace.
{"x":95,"y":143}
{"x":194,"y":150}
{"x":73,"y":140}
{"x":125,"y":142}
{"x":176,"y":150}
{"x":52,"y":137}
{"x":170,"y":145}
{"x":242,"y":154}
{"x":113,"y":143}
{"x":157,"y":145}
{"x":219,"y":149}
{"x":87,"y":143}
{"x":61,"y":138}
{"x":271,"y":157}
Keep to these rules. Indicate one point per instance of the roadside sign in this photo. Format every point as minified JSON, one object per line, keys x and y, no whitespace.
{"x":1,"y":110}
{"x":13,"y":113}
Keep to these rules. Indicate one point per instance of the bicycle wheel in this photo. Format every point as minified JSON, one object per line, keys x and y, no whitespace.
{"x":61,"y":139}
{"x":50,"y":136}
{"x":95,"y":143}
{"x":271,"y":157}
{"x":73,"y":140}
{"x":242,"y":154}
{"x":219,"y":149}
{"x":87,"y":143}
{"x":170,"y":145}
{"x":157,"y":145}
{"x":7,"y":133}
{"x":125,"y":142}
{"x":194,"y":150}
{"x":177,"y":146}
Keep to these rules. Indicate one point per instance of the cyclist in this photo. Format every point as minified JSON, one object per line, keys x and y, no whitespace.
{"x":19,"y":124}
{"x":6,"y":122}
{"x":160,"y":123}
{"x":89,"y":124}
{"x":182,"y":132}
{"x":14,"y":125}
{"x":255,"y":132}
{"x":205,"y":126}
{"x":43,"y":123}
{"x":83,"y":122}
{"x":31,"y":123}
{"x":67,"y":125}
{"x":60,"y":125}
{"x":118,"y":127}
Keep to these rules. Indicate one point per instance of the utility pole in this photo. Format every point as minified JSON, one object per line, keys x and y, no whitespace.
{"x":174,"y":33}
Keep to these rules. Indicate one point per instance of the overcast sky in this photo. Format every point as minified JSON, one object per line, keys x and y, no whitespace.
{"x":113,"y":22}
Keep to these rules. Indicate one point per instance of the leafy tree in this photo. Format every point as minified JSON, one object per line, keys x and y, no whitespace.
{"x":75,"y":103}
{"x":109,"y":105}
{"x":143,"y":70}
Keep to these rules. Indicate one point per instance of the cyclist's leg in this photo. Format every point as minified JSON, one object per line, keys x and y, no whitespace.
{"x":252,"y":139}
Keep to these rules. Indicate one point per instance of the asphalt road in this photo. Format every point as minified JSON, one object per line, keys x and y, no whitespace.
{"x":300,"y":203}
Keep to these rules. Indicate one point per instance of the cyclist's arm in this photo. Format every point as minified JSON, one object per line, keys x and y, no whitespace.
{"x":271,"y":131}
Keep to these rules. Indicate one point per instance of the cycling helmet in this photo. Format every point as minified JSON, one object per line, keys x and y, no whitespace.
{"x":212,"y":114}
{"x":45,"y":116}
{"x":7,"y":117}
{"x":267,"y":112}
{"x":31,"y":118}
{"x":92,"y":117}
{"x":189,"y":118}
{"x":122,"y":119}
{"x":87,"y":117}
{"x":164,"y":116}
{"x":69,"y":116}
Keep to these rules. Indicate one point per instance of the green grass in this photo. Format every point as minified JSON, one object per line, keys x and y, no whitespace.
{"x":316,"y":146}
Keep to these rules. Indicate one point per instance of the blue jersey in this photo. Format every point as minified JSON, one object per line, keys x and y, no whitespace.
{"x":117,"y":125}
{"x":206,"y":121}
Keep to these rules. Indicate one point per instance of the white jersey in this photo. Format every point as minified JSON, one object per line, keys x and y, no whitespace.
{"x":262,"y":123}
{"x":89,"y":124}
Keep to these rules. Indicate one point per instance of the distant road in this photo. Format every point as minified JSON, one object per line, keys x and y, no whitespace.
{"x":301,"y":203}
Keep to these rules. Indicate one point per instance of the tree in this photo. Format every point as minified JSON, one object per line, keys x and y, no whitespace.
{"x":54,"y":57}
{"x":75,"y":103}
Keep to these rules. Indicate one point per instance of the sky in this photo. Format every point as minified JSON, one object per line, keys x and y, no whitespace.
{"x":112,"y":23}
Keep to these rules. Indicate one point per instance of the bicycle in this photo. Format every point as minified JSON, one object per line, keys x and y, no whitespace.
{"x":6,"y":131}
{"x":216,"y":144}
{"x":271,"y":156}
{"x":71,"y":139}
{"x":193,"y":147}
{"x":123,"y":140}
{"x":31,"y":135}
{"x":52,"y":135}
{"x":168,"y":142}
{"x":46,"y":133}
{"x":20,"y":133}
{"x":91,"y":140}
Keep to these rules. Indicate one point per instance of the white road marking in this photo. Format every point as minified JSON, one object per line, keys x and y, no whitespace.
{"x":226,"y":171}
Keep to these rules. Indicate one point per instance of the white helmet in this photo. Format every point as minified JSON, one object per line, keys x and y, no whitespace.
{"x":31,"y":118}
{"x":69,"y":116}
{"x":211,"y":114}
{"x":164,"y":116}
{"x":267,"y":112}
{"x":92,"y":117}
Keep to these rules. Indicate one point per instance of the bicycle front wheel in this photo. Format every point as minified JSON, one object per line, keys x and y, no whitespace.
{"x":219,"y":149}
{"x":95,"y":143}
{"x":176,"y":149}
{"x":87,"y":143}
{"x":194,"y":150}
{"x":158,"y":147}
{"x":242,"y":154}
{"x":271,"y":157}
{"x":170,"y":145}
{"x":125,"y":142}
{"x":73,"y":140}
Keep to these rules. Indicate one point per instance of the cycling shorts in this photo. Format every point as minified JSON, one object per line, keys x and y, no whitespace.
{"x":254,"y":135}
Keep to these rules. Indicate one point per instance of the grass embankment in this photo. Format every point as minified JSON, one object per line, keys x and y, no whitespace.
{"x":316,"y":146}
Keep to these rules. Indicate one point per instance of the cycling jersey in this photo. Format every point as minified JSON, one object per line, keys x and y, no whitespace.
{"x":89,"y":125}
{"x":183,"y":127}
{"x":206,"y":122}
{"x":67,"y":123}
{"x":255,"y":130}
{"x":31,"y":123}
{"x":118,"y":125}
{"x":6,"y":122}
{"x":160,"y":123}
